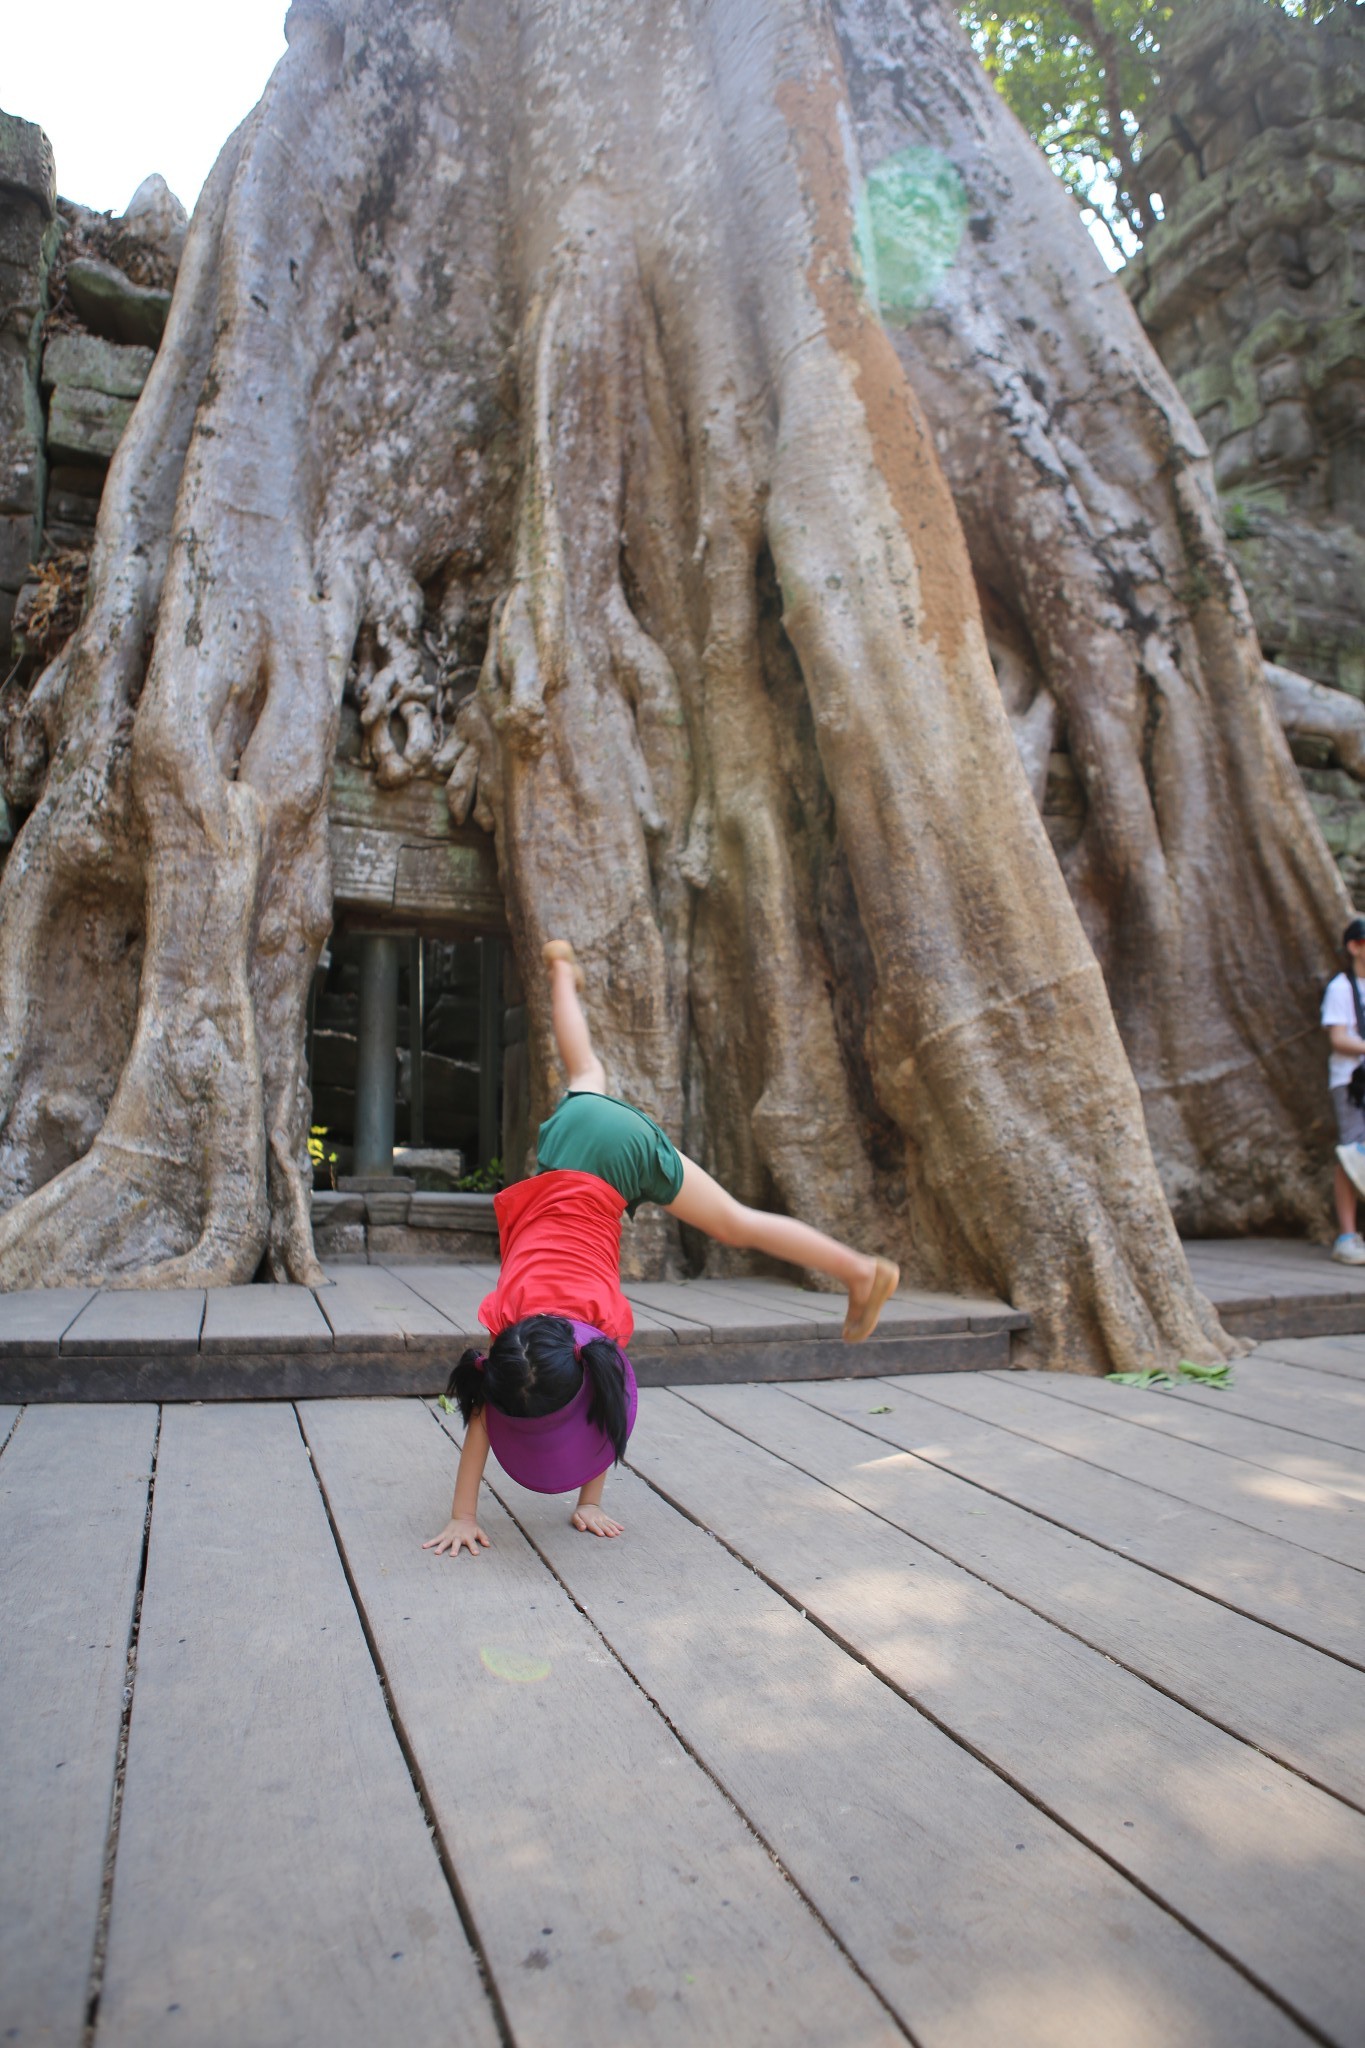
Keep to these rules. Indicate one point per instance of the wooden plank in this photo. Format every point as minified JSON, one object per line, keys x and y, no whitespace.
{"x":457,"y":1290}
{"x":1290,"y":1589}
{"x":1303,"y":1318}
{"x":724,"y":1314}
{"x":1317,"y":1405}
{"x":275,"y":1880}
{"x":122,"y":1322}
{"x":617,"y":1895}
{"x":33,"y":1320}
{"x":386,"y":1368}
{"x":670,"y":1304}
{"x":845,"y":1781}
{"x":1207,"y":1825}
{"x":726,"y":1360}
{"x":73,"y":1500}
{"x":1306,"y":1709}
{"x":1343,"y":1357}
{"x":907,"y":1312}
{"x":278,"y":1318}
{"x":822,"y":1313}
{"x":1212,"y":1419}
{"x":1320,"y":1520}
{"x":368,"y":1304}
{"x":453,"y":1291}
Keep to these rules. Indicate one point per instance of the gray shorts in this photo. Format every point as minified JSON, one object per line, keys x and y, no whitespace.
{"x":1350,"y":1120}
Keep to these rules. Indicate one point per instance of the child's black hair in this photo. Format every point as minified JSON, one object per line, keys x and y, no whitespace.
{"x":531,"y":1369}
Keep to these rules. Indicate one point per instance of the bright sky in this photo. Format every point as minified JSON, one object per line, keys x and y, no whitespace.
{"x":127,"y":87}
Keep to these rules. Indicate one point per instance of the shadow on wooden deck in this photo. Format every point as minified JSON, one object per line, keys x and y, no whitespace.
{"x":960,"y":1709}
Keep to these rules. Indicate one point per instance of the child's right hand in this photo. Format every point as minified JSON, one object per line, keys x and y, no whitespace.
{"x":456,"y":1536}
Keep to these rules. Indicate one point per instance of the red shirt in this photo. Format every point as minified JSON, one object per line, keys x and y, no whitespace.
{"x":560,"y":1234}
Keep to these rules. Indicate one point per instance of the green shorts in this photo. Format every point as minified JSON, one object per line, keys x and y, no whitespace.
{"x":620,"y":1144}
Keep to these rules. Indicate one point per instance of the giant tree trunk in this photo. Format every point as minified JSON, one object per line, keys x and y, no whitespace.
{"x":563,"y":327}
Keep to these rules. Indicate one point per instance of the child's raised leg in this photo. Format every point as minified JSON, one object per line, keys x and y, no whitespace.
{"x":587,"y":1075}
{"x":704,"y":1203}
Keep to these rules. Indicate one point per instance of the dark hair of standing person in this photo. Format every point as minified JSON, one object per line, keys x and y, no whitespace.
{"x":531,"y":1368}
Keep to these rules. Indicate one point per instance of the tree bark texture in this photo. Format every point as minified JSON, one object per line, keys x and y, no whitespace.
{"x":556,"y":328}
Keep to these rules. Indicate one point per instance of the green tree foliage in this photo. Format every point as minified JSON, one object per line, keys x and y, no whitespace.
{"x":1081,"y":75}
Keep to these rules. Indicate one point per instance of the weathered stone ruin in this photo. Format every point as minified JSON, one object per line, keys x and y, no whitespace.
{"x":84,"y":298}
{"x":1253,"y":289}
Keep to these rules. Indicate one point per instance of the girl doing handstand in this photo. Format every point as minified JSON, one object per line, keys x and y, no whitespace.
{"x":554,"y":1398}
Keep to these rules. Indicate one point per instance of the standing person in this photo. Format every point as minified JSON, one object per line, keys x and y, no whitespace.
{"x":1343,"y":1011}
{"x":554,"y":1398}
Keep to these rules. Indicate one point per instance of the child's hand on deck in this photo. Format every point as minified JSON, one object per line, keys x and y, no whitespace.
{"x":594,"y":1521}
{"x":458,"y":1535}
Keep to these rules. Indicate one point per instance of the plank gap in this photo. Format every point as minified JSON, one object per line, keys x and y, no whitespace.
{"x":687,"y":1748}
{"x":427,"y":1808}
{"x":100,"y":1951}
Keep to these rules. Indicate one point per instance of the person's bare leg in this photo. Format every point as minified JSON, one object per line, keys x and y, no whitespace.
{"x":1344,"y":1196}
{"x":704,"y":1203}
{"x":586,"y":1073}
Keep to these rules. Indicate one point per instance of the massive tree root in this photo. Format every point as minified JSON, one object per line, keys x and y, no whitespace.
{"x":1090,"y":516}
{"x":592,"y":353}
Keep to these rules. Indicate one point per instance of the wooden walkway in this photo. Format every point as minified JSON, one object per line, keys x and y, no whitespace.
{"x":960,"y":1709}
{"x":1268,"y":1287}
{"x":385,"y":1330}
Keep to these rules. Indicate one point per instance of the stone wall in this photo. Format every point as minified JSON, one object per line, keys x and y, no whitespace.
{"x":1253,"y":289}
{"x":83,"y":303}
{"x":29,"y":235}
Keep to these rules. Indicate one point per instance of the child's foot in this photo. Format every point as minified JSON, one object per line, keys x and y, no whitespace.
{"x":560,"y":949}
{"x":867,"y":1299}
{"x":594,"y":1521}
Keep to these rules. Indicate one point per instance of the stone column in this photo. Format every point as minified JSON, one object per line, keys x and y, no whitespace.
{"x":376,"y":1064}
{"x":490,"y":1046}
{"x":29,"y":232}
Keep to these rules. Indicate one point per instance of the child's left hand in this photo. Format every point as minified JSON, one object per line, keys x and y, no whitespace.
{"x":593,"y":1521}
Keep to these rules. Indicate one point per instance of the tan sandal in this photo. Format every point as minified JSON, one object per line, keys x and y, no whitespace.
{"x":885,"y":1281}
{"x":560,"y":949}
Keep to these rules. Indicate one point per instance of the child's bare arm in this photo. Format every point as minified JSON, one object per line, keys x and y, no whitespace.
{"x":462,"y":1531}
{"x":589,"y":1515}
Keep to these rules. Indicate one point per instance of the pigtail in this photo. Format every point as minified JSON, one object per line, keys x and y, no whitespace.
{"x":607,"y":1402}
{"x":465,"y":1386}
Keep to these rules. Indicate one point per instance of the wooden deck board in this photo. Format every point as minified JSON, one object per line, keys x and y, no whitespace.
{"x":73,"y":1500}
{"x":453,"y":1291}
{"x":1314,"y":1406}
{"x":1306,"y":1709}
{"x":1321,"y":1520}
{"x":1338,"y":1357}
{"x":33,"y":1320}
{"x":1318,"y":1367}
{"x":1308,"y":1597}
{"x":275,"y":1881}
{"x":368,"y":1304}
{"x":908,"y":1846}
{"x":1001,"y":1643}
{"x":1210,"y":1419}
{"x":1262,"y":1864}
{"x":133,"y":1321}
{"x":616,"y":1893}
{"x":246,"y":1319}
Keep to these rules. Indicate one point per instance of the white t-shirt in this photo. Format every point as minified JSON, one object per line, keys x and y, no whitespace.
{"x":1338,"y":1008}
